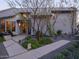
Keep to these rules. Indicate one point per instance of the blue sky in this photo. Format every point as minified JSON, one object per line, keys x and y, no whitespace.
{"x":3,"y":5}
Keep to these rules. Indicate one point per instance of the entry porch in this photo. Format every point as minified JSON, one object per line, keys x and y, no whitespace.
{"x":16,"y":26}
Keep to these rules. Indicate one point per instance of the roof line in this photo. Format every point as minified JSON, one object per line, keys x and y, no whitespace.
{"x":6,"y":9}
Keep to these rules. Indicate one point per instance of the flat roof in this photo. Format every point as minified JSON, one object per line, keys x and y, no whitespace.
{"x":44,"y":11}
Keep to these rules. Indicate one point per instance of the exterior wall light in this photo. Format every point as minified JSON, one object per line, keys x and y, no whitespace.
{"x":19,"y":24}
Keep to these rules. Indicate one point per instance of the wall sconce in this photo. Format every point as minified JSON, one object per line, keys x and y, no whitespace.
{"x":53,"y":14}
{"x":19,"y":24}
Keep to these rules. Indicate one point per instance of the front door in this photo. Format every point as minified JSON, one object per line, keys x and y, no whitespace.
{"x":23,"y":26}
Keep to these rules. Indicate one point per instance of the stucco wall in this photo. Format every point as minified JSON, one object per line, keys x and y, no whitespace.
{"x":63,"y":23}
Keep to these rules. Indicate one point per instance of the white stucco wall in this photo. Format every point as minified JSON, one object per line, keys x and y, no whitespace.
{"x":63,"y":23}
{"x":42,"y":25}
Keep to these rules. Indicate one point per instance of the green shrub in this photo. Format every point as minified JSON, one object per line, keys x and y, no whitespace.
{"x":59,"y":32}
{"x":24,"y":44}
{"x":76,"y":45}
{"x":2,"y":39}
{"x":36,"y":43}
{"x":71,"y":52}
{"x":59,"y":56}
{"x":27,"y":40}
{"x":45,"y":40}
{"x":76,"y":54}
{"x":66,"y":53}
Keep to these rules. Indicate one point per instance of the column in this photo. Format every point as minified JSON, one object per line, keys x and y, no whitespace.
{"x":11,"y":25}
{"x":5,"y":26}
{"x":17,"y":30}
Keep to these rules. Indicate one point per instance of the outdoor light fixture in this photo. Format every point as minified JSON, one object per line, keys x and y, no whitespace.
{"x":24,"y":15}
{"x":19,"y":24}
{"x":53,"y":14}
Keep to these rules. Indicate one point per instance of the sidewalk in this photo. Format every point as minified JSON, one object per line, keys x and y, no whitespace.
{"x":37,"y":53}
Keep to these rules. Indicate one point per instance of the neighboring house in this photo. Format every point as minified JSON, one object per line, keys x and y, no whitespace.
{"x":18,"y":20}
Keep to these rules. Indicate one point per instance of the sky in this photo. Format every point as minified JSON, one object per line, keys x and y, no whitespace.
{"x":3,"y":5}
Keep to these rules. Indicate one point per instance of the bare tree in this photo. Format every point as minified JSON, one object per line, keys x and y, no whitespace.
{"x":39,"y":9}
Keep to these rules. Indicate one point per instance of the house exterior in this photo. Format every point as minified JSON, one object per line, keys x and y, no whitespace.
{"x":66,"y":20}
{"x":20,"y":20}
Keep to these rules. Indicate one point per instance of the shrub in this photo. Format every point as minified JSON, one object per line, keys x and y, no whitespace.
{"x":67,"y":54}
{"x":2,"y":38}
{"x":76,"y":45}
{"x":71,"y":52}
{"x":27,"y":40}
{"x":45,"y":40}
{"x":36,"y":43}
{"x":59,"y":56}
{"x":59,"y":32}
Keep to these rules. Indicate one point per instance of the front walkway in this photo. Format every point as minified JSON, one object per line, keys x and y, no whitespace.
{"x":37,"y":53}
{"x":13,"y":48}
{"x":19,"y":37}
{"x":15,"y":38}
{"x":3,"y":52}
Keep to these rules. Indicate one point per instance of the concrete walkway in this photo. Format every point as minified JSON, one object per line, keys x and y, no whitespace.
{"x":13,"y":48}
{"x":3,"y":52}
{"x":15,"y":38}
{"x":36,"y":53}
{"x":19,"y":37}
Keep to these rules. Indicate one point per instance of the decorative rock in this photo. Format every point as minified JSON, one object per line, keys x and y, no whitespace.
{"x":29,"y":46}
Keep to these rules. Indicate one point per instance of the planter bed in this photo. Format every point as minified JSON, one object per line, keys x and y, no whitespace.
{"x":69,"y":51}
{"x":36,"y":43}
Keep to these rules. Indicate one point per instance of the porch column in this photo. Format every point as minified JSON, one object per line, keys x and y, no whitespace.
{"x":17,"y":30}
{"x":5,"y":26}
{"x":11,"y":25}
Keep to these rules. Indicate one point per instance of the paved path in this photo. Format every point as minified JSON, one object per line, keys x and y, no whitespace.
{"x":19,"y":37}
{"x":13,"y":48}
{"x":36,"y":53}
{"x":3,"y":52}
{"x":15,"y":38}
